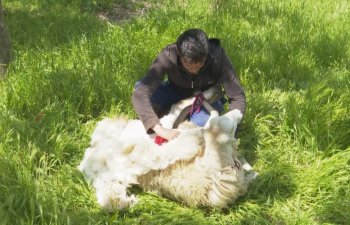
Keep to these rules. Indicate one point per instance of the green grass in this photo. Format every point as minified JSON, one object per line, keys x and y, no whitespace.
{"x":70,"y":70}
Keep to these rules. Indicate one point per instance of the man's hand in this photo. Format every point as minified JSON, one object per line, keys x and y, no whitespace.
{"x":165,"y":133}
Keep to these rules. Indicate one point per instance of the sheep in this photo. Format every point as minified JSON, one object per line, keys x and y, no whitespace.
{"x":199,"y":168}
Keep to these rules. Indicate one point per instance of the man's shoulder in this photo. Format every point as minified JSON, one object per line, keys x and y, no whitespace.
{"x":170,"y":53}
{"x":171,"y":47}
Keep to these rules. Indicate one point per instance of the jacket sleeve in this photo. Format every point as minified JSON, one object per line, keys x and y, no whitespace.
{"x":145,"y":88}
{"x":231,"y":85}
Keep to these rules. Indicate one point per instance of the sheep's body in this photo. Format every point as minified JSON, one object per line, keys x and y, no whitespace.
{"x":199,"y":167}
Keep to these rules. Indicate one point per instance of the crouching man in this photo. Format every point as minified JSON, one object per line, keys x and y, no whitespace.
{"x":193,"y":63}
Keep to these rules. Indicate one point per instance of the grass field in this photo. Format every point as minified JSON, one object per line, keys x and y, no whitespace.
{"x":70,"y":69}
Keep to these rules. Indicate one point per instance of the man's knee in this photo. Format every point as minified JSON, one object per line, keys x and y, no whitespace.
{"x":159,"y":109}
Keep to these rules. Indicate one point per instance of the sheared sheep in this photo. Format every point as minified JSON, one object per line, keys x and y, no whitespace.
{"x":199,"y":167}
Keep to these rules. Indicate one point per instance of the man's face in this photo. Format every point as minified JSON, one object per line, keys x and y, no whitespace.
{"x":193,"y":68}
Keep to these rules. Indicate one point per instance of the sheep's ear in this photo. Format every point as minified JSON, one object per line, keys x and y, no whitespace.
{"x":230,"y":120}
{"x":234,"y":115}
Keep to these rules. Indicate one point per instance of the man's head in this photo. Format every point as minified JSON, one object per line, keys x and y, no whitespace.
{"x":192,"y":46}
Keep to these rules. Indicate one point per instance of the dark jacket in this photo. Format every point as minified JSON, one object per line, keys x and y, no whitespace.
{"x":217,"y":70}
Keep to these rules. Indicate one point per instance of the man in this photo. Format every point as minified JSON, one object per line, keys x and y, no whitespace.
{"x":193,"y":63}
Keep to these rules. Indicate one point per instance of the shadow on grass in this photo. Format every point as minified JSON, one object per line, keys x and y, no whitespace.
{"x":52,"y":116}
{"x":285,"y":46}
{"x":151,"y":209}
{"x":46,"y":30}
{"x":275,"y":183}
{"x":337,"y":210}
{"x":248,"y":139}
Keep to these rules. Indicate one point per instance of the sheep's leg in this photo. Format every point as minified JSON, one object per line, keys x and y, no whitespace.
{"x":182,"y":117}
{"x":213,"y":94}
{"x":180,"y":110}
{"x":213,"y":112}
{"x":113,"y":195}
{"x":251,"y":174}
{"x":245,"y":165}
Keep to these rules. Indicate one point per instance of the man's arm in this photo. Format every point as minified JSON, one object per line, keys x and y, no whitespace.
{"x":141,"y":97}
{"x":231,"y":84}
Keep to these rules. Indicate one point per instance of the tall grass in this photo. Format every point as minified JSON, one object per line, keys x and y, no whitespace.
{"x":71,"y":69}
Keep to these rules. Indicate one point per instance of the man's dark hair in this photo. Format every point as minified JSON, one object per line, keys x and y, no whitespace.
{"x":192,"y":45}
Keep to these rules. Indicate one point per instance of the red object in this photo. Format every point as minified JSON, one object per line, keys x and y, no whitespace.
{"x":159,"y":140}
{"x":196,"y":106}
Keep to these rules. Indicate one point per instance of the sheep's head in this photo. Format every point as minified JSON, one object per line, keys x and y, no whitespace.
{"x":222,"y":128}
